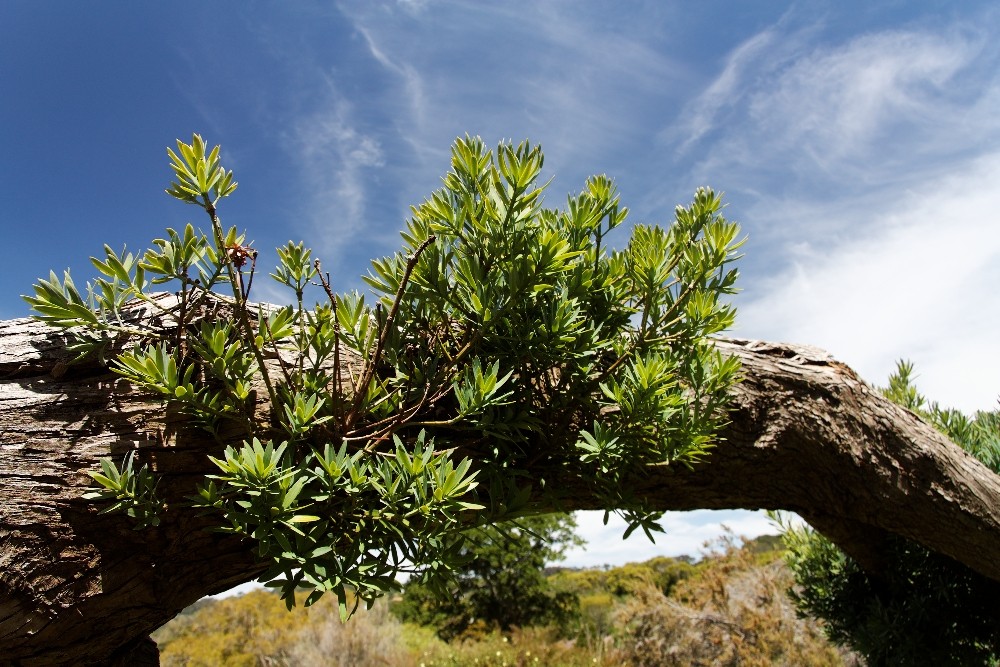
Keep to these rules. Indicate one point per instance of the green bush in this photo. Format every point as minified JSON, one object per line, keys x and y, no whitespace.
{"x":505,"y":341}
{"x":502,"y":584}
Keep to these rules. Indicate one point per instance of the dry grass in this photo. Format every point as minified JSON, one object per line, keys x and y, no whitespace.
{"x":371,"y":638}
{"x":735,"y":612}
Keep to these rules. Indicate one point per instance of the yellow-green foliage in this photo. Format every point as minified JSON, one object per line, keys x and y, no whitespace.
{"x":237,"y":631}
{"x":256,"y":629}
{"x":595,"y":614}
{"x":660,"y":572}
{"x":579,"y":581}
{"x":734,"y":611}
{"x":728,"y":609}
{"x":528,"y":647}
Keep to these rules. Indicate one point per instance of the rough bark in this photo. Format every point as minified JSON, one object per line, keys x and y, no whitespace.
{"x":76,"y":587}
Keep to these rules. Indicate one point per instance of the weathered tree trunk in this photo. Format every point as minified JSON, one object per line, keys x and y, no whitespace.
{"x":80,"y":588}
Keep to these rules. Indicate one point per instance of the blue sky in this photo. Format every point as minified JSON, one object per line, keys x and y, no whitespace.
{"x":858,"y":144}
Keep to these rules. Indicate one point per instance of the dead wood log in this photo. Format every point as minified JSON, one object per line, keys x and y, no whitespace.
{"x":76,"y":587}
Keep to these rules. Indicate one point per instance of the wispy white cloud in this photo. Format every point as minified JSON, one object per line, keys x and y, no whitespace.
{"x":699,"y":116}
{"x":866,"y":112}
{"x":841,"y":105}
{"x":413,"y":6}
{"x":588,"y":89}
{"x":546,"y":71}
{"x":412,"y":80}
{"x":335,"y":158}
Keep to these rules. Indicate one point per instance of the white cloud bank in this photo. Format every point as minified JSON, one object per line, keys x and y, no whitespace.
{"x":869,"y":173}
{"x":920,"y":282}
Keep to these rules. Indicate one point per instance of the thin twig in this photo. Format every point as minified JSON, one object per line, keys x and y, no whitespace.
{"x":395,"y":420}
{"x":369,"y":368}
{"x":338,"y":385}
{"x":235,"y":281}
{"x":182,"y":327}
{"x":253,"y":269}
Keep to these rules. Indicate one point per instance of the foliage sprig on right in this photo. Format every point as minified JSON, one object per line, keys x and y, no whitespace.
{"x":555,"y":346}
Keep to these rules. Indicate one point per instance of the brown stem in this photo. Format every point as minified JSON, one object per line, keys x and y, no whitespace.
{"x":338,"y":385}
{"x":369,"y":368}
{"x":238,"y":297}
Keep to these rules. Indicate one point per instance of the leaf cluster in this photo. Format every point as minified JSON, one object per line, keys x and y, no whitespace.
{"x":505,"y":339}
{"x":129,"y":489}
{"x":390,"y":512}
{"x":548,"y":336}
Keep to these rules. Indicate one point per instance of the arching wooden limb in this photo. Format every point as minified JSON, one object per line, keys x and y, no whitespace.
{"x":80,"y":588}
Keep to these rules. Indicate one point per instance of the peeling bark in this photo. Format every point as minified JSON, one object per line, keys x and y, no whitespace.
{"x":76,"y":587}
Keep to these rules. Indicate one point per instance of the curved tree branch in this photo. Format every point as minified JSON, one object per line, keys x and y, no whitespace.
{"x":76,"y":587}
